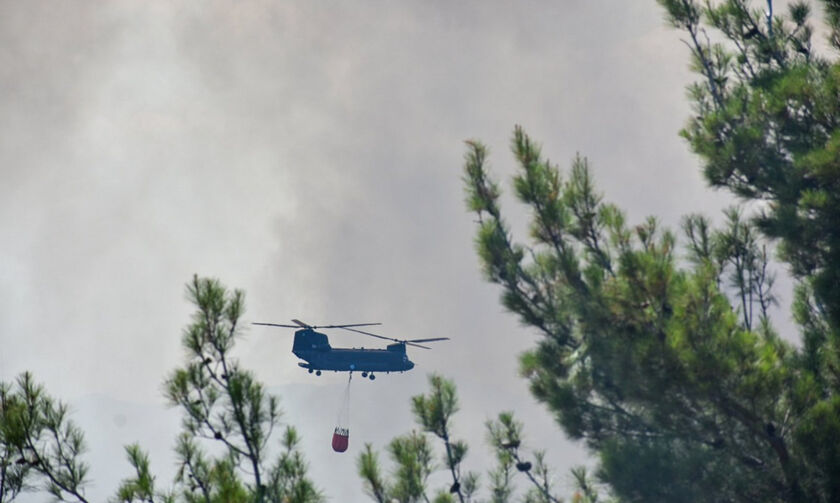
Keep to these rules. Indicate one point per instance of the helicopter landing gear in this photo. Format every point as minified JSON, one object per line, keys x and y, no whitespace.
{"x":364,"y":374}
{"x":310,"y":371}
{"x":371,"y":376}
{"x":317,"y":372}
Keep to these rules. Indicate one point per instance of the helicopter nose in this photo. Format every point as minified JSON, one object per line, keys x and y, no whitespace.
{"x":409,"y":364}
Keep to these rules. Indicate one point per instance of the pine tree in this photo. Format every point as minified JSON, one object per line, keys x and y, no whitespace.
{"x":222,"y":404}
{"x":40,"y":447}
{"x":413,"y":456}
{"x":667,"y":365}
{"x":643,"y":356}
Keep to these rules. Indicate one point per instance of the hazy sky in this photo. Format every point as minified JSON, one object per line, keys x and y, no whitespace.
{"x":309,"y":153}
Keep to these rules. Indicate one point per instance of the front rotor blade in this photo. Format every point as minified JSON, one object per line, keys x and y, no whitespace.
{"x":300,"y":323}
{"x":350,"y":325}
{"x":370,"y":334}
{"x":417,"y":345}
{"x":275,"y":325}
{"x":429,"y":340}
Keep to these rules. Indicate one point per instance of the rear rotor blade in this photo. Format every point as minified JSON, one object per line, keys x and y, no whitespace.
{"x":410,"y":343}
{"x":370,"y":334}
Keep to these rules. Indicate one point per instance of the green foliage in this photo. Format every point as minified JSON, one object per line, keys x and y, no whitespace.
{"x":288,"y":479}
{"x":766,"y":129}
{"x":641,"y":353}
{"x":142,"y":486}
{"x":669,"y":368}
{"x":39,"y":444}
{"x":434,"y":413}
{"x":505,"y":436}
{"x":14,"y":468}
{"x":224,"y":404}
{"x":586,"y":492}
{"x":817,"y":437}
{"x":368,"y":468}
{"x":413,"y":457}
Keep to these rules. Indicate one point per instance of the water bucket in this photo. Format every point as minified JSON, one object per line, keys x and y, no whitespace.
{"x":341,"y":439}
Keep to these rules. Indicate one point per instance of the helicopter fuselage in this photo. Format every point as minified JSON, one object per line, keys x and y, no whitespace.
{"x":314,"y":347}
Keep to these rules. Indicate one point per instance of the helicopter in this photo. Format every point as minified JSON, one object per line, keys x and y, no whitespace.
{"x":315,"y":349}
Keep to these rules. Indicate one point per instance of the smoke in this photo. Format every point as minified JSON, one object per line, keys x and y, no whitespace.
{"x":309,"y":153}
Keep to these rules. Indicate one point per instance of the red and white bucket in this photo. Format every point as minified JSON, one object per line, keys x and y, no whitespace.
{"x":341,"y":439}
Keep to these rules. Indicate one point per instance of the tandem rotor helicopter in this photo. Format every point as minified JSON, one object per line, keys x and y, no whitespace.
{"x":315,"y":349}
